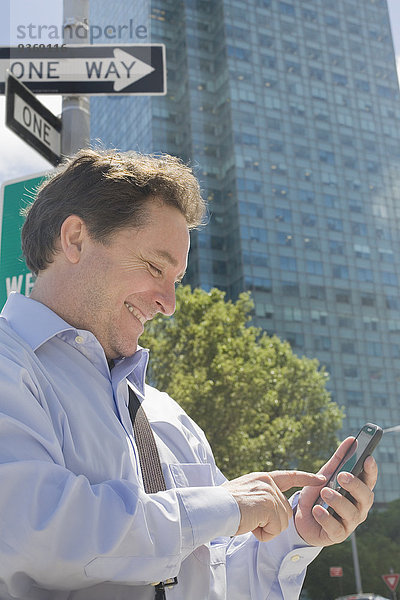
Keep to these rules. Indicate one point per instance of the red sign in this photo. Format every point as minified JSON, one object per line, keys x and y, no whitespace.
{"x":391,"y":580}
{"x":336,"y":571}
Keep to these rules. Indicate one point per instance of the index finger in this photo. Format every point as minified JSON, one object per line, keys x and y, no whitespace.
{"x":333,"y":463}
{"x":288,"y":479}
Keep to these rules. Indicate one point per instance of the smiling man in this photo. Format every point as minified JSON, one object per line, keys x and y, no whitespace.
{"x":108,"y":238}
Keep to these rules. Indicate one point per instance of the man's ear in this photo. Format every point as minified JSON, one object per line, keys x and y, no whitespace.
{"x":72,"y":234}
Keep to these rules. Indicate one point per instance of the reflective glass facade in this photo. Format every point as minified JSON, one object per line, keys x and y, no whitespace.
{"x":289,"y":111}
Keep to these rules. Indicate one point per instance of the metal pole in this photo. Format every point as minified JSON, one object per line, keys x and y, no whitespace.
{"x":357,"y":572}
{"x":75,"y":109}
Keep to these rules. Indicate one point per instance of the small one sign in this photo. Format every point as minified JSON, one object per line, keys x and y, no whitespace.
{"x":336,"y":571}
{"x":391,"y":580}
{"x":32,"y":121}
{"x":14,"y":274}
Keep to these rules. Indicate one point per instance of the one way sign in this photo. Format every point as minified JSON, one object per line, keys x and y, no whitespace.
{"x":87,"y":70}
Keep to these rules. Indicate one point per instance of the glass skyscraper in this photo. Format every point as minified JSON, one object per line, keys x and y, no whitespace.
{"x":289,"y":112}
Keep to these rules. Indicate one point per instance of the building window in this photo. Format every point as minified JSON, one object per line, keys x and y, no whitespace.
{"x":251,"y":209}
{"x":311,"y":243}
{"x":335,"y":224}
{"x":374,"y":349}
{"x":296,"y":340}
{"x":292,"y":67}
{"x":370,"y":323}
{"x":255,"y":234}
{"x":308,"y":219}
{"x":319,"y":317}
{"x":354,"y":398}
{"x":239,"y":53}
{"x":350,"y":372}
{"x":338,"y":79}
{"x":306,"y":196}
{"x":336,"y":247}
{"x":309,"y":15}
{"x":340,"y":271}
{"x":392,"y":302}
{"x":322,"y":342}
{"x":287,"y":9}
{"x":283,"y":215}
{"x":362,"y":251}
{"x":317,"y":292}
{"x":290,"y":288}
{"x":386,"y":255}
{"x":348,"y":347}
{"x":314,"y":267}
{"x":345,"y":322}
{"x":367,"y":300}
{"x":219,"y":267}
{"x":389,"y":278}
{"x":258,"y":283}
{"x":284,"y":239}
{"x":395,"y":350}
{"x":343,"y":296}
{"x":287,"y":263}
{"x":327,"y":157}
{"x":364,"y":275}
{"x":330,"y":200}
{"x":291,"y":313}
{"x":362,"y":85}
{"x":255,"y":258}
{"x":332,"y":21}
{"x":359,"y":228}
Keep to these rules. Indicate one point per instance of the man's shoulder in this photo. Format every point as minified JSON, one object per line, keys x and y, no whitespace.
{"x":159,"y":406}
{"x":13,"y":347}
{"x":155,"y":397}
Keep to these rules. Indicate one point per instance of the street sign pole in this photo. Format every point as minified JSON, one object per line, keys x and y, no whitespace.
{"x":357,"y":572}
{"x":75,"y":109}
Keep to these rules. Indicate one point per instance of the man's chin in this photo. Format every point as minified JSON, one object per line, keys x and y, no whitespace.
{"x":128,"y":351}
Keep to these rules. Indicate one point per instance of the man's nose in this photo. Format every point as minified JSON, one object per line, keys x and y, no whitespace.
{"x":166,"y":300}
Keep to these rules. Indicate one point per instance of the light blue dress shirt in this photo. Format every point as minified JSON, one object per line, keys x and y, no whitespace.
{"x":75,"y":522}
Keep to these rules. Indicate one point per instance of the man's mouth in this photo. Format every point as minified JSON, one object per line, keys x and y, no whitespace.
{"x":136,"y":313}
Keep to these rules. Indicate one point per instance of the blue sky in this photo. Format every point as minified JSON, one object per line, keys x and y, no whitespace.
{"x":17,"y":159}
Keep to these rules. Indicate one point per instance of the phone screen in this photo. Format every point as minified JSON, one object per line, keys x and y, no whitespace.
{"x":353,"y":461}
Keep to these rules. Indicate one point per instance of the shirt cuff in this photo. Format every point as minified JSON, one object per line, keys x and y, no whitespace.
{"x":207,"y":513}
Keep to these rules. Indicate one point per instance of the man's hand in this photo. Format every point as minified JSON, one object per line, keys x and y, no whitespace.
{"x":264,"y":509}
{"x":315,"y":525}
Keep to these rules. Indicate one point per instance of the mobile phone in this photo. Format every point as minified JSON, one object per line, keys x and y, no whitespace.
{"x":365,"y":443}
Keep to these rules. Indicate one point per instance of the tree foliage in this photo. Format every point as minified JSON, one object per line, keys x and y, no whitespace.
{"x":378,"y":546}
{"x":261,"y":406}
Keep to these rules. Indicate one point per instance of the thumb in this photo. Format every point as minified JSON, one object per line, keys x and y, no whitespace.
{"x":288,"y":479}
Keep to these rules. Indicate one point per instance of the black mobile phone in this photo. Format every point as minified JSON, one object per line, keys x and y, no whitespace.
{"x":365,"y":443}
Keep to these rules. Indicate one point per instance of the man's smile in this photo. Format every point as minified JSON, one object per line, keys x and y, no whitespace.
{"x":136,"y":313}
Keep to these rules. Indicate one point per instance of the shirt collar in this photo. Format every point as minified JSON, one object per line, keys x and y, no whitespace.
{"x":36,"y":323}
{"x":33,"y":321}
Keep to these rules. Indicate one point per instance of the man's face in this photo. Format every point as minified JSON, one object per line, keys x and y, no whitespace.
{"x":124,"y":284}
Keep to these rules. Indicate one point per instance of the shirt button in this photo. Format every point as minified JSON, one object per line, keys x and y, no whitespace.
{"x":295,"y":557}
{"x":79,"y":339}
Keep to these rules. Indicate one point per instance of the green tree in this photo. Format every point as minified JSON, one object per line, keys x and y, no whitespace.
{"x":261,"y":406}
{"x":378,"y":545}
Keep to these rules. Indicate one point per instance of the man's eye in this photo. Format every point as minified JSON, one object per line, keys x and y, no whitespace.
{"x":155,"y":269}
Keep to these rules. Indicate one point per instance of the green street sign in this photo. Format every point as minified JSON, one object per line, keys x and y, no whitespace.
{"x":14,"y":274}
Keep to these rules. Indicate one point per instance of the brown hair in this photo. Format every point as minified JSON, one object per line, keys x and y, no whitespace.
{"x":109,"y":190}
